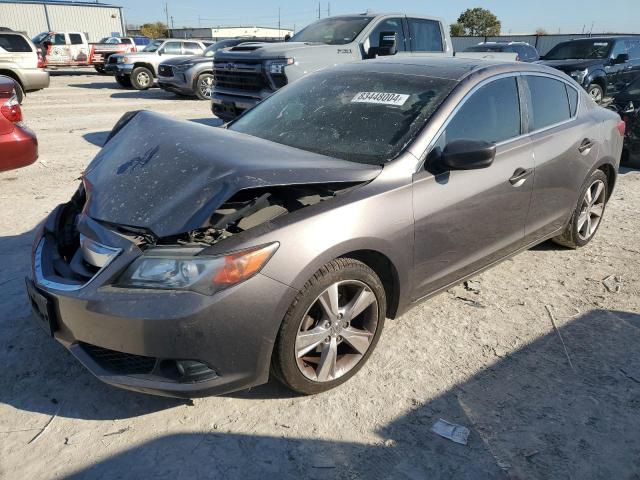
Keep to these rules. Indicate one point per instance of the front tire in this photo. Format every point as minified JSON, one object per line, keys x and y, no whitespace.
{"x":141,"y":78}
{"x":596,"y":92}
{"x":587,"y":216}
{"x":331,"y":328}
{"x":204,"y":86}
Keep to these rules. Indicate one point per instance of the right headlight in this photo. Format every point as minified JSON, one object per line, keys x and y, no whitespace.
{"x":579,"y":75}
{"x":176,"y":269}
{"x":276,"y":67}
{"x":183,"y":67}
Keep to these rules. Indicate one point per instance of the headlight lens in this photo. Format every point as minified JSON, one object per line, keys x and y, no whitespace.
{"x":123,"y":60}
{"x":579,"y":75}
{"x":183,"y":67}
{"x":203,"y":274}
{"x":276,"y":67}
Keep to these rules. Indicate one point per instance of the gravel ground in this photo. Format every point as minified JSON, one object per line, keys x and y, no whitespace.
{"x":485,"y":356}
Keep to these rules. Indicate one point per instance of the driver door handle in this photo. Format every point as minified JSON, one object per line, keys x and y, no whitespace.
{"x":586,"y":145}
{"x":520,"y":176}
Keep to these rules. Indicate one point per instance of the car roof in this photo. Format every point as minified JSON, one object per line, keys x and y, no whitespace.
{"x":450,"y":68}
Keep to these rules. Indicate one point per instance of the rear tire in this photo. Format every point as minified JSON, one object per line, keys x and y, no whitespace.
{"x":322,"y":343}
{"x":141,"y":78}
{"x":596,"y":92}
{"x":123,"y":81}
{"x":588,"y":214}
{"x":204,"y":86}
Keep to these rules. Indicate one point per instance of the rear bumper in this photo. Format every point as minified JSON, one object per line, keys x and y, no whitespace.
{"x":19,"y":148}
{"x":232,"y":332}
{"x":35,"y":79}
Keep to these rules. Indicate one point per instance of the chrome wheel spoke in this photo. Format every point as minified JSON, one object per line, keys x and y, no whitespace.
{"x":307,"y":341}
{"x":327,"y":364}
{"x":599,"y":187}
{"x":358,"y":339}
{"x":582,"y":219}
{"x":588,"y":197}
{"x":363,"y":299}
{"x":588,"y":227}
{"x":597,"y":210}
{"x":329,"y":301}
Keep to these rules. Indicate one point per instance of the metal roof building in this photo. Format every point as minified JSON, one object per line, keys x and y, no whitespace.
{"x":96,"y":20}
{"x":231,"y":32}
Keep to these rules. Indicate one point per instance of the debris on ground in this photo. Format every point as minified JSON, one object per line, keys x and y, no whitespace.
{"x":451,"y":431}
{"x":472,"y":286}
{"x":529,"y":452}
{"x":470,"y":301}
{"x":117,"y":432}
{"x":613,"y":283}
{"x":46,"y":425}
{"x":555,"y":327}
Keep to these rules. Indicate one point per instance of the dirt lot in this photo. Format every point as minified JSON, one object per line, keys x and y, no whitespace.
{"x":489,"y":360}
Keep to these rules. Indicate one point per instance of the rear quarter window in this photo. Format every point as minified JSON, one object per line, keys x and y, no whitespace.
{"x":549,"y":102}
{"x":14,"y":43}
{"x":573,"y":99}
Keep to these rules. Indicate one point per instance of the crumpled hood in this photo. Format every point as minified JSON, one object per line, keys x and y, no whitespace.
{"x":571,"y":64}
{"x":169,"y":176}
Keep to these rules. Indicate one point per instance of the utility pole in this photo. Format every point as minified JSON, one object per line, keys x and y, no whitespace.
{"x":166,"y":12}
{"x":279,"y":34}
{"x":328,"y":9}
{"x":318,"y":10}
{"x":199,"y":24}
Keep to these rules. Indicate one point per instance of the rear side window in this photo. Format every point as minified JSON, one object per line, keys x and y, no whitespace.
{"x":14,"y":43}
{"x":172,"y":48}
{"x":126,"y":41}
{"x":426,"y":35}
{"x":75,"y":38}
{"x":192,"y":48}
{"x":491,"y":114}
{"x":549,"y":102}
{"x":634,"y":49}
{"x":58,"y":39}
{"x":573,"y":99}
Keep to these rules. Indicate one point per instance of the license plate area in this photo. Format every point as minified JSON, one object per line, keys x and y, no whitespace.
{"x":42,"y":308}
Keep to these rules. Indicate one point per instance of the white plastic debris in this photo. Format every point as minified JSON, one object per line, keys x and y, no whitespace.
{"x":613,"y":283}
{"x":455,"y":433}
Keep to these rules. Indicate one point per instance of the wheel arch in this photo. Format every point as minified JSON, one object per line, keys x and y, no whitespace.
{"x":599,"y":78}
{"x":145,"y":65}
{"x":610,"y":171}
{"x":14,"y":75}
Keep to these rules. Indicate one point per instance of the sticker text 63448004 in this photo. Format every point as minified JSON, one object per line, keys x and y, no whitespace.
{"x":383,"y":98}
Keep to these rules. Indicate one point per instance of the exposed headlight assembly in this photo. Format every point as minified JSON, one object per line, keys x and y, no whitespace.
{"x":579,"y":75}
{"x":276,"y":67}
{"x":181,"y":269}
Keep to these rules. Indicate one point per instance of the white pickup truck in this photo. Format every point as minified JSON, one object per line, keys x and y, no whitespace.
{"x":63,"y":49}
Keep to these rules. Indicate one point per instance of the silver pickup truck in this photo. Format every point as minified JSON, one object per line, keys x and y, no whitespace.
{"x":246,"y":74}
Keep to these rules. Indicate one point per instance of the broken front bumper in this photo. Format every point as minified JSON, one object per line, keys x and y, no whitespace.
{"x":172,"y":343}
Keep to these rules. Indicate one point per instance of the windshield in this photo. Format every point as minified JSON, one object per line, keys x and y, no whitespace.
{"x":211,"y":49}
{"x":332,"y":31}
{"x":485,"y":48}
{"x":580,"y":49}
{"x":366,"y":117}
{"x":40,"y":37}
{"x":153,"y":46}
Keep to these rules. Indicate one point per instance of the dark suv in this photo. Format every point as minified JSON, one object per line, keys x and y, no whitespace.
{"x":604,"y":66}
{"x":524,"y":51}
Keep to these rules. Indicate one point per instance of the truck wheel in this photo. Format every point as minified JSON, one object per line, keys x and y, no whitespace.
{"x":596,"y":92}
{"x":123,"y":81}
{"x":100,"y":69}
{"x":204,"y":86}
{"x":141,"y":78}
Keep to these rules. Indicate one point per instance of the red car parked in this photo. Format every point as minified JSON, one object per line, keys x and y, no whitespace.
{"x":18,"y":144}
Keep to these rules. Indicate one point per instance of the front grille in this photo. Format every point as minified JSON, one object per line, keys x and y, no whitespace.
{"x":165,"y":71}
{"x":113,"y":59}
{"x":120,"y":362}
{"x":240,"y":76}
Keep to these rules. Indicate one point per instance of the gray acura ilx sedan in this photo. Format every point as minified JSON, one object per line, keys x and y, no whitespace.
{"x":196,"y":260}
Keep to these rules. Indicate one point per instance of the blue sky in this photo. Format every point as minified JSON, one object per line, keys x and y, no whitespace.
{"x":567,"y":16}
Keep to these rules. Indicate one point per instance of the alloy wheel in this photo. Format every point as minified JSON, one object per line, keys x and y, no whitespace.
{"x":591,"y":211}
{"x":143,"y":79}
{"x":596,"y":94}
{"x":206,"y":86}
{"x":336,"y":331}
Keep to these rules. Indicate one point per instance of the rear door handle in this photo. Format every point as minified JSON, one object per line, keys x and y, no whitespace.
{"x":586,"y":145}
{"x":519,"y":176}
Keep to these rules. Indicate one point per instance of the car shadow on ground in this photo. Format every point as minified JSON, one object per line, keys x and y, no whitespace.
{"x":151,"y":94}
{"x":112,"y":85}
{"x":72,"y":72}
{"x":532,"y":414}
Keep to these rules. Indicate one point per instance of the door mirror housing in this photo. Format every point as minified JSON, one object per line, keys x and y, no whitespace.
{"x":287,"y":37}
{"x":160,"y":51}
{"x":387,"y":45}
{"x":622,"y":58}
{"x":468,"y":154}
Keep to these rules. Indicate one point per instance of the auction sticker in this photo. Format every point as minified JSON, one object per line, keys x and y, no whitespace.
{"x":381,"y":98}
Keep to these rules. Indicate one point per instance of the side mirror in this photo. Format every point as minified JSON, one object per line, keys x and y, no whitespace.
{"x":287,"y":37}
{"x":622,"y":58}
{"x":468,"y":154}
{"x":387,"y":45}
{"x":161,"y":51}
